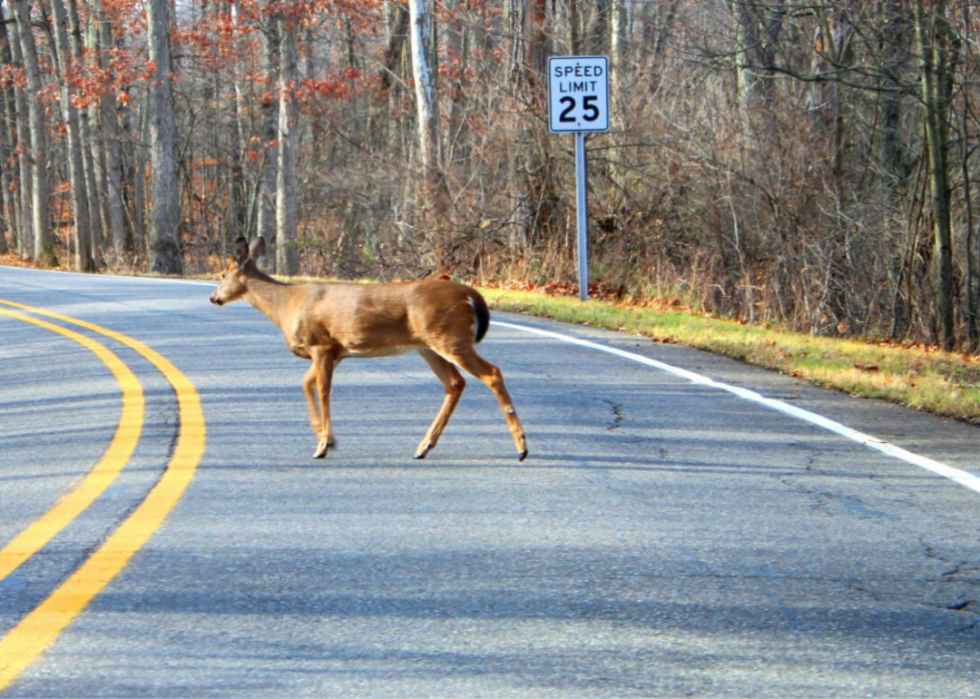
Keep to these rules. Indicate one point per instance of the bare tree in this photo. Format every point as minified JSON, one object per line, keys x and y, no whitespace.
{"x":530,"y":184}
{"x":426,"y":107}
{"x":619,"y":70}
{"x":895,"y":40}
{"x":397,"y":26}
{"x":85,"y":134}
{"x":759,"y":27}
{"x":40,"y":210}
{"x":841,"y":199}
{"x":25,"y":237}
{"x":164,"y":245}
{"x":238,"y":220}
{"x":79,"y":189}
{"x":934,"y":36}
{"x":287,"y":195}
{"x":265,"y":189}
{"x":10,"y":231}
{"x":110,"y":139}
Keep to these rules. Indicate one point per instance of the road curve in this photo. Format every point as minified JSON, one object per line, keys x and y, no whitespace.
{"x":664,"y":538}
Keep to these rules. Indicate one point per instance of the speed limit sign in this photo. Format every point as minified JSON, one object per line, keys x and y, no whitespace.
{"x":578,"y":101}
{"x":578,"y":93}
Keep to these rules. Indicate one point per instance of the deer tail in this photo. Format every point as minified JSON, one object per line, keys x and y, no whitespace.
{"x":482,"y":314}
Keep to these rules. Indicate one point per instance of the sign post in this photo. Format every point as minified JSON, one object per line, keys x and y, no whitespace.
{"x":578,"y":101}
{"x":582,"y":215}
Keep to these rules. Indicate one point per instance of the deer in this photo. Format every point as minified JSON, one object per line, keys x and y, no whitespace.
{"x":327,"y":322}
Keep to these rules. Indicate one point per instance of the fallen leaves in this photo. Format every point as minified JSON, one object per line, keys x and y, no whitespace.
{"x":12,"y":260}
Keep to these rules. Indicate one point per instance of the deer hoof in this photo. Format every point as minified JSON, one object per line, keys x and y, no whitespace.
{"x":321,"y":449}
{"x":421,"y":453}
{"x":522,"y":455}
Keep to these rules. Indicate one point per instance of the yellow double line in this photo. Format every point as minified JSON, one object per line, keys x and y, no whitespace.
{"x":36,"y":631}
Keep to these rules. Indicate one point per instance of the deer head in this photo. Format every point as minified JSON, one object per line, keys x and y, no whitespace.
{"x":244,"y":263}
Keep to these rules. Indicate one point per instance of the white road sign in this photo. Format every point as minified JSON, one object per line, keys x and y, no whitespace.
{"x":578,"y":93}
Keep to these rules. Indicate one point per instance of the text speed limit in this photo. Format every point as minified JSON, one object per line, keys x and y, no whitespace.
{"x":578,"y":93}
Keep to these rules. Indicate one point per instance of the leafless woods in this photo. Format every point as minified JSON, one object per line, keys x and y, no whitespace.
{"x":806,"y":163}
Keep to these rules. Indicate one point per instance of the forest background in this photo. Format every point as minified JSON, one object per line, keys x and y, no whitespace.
{"x":807,"y":164}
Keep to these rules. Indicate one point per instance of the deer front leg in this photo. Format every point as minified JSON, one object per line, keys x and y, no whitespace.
{"x":454,"y":384}
{"x":309,"y":383}
{"x":322,"y":370}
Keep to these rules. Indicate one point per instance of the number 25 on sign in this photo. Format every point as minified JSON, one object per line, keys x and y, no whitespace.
{"x":578,"y":101}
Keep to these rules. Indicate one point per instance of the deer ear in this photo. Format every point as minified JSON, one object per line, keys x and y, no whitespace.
{"x":257,"y":250}
{"x":241,"y":251}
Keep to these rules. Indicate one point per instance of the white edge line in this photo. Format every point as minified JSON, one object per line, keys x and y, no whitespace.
{"x":967,"y":480}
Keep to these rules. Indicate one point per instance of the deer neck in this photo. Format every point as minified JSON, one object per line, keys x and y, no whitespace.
{"x":269,"y":296}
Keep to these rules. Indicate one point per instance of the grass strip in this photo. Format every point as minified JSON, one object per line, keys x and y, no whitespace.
{"x":916,"y":376}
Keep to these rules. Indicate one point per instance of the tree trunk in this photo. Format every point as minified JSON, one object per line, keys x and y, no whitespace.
{"x":238,"y":221}
{"x":933,"y":35}
{"x":40,"y":212}
{"x":619,"y":50}
{"x":110,"y":136}
{"x":75,"y":45}
{"x":530,"y":186}
{"x":79,"y":190}
{"x":6,"y":201}
{"x":287,"y":193}
{"x":758,"y":28}
{"x":7,"y":205}
{"x":9,"y":184}
{"x":459,"y":45}
{"x":426,"y":109}
{"x":658,"y":22}
{"x":25,"y":238}
{"x":136,"y":127}
{"x":837,"y":46}
{"x":93,"y":139}
{"x":972,"y":254}
{"x":574,"y":28}
{"x":619,"y":69}
{"x":541,"y":192}
{"x":265,"y":191}
{"x":596,"y":19}
{"x":521,"y":214}
{"x":164,"y":245}
{"x":894,"y":171}
{"x":396,"y":24}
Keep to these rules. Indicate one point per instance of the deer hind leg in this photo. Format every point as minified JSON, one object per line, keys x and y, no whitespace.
{"x":322,"y":371}
{"x":490,"y":375}
{"x":309,"y":382}
{"x":454,"y":384}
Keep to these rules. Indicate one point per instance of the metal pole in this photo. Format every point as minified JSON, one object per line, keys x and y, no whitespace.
{"x":582,"y":211}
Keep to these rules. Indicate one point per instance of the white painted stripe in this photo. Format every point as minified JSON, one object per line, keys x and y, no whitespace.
{"x":967,"y":480}
{"x":963,"y":478}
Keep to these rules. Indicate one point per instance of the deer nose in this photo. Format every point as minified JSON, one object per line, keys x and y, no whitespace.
{"x":215,"y":300}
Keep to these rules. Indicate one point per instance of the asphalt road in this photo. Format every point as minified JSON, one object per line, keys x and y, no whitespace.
{"x":663,"y":538}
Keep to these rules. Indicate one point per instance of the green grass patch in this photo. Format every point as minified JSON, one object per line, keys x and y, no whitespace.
{"x":919,"y":377}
